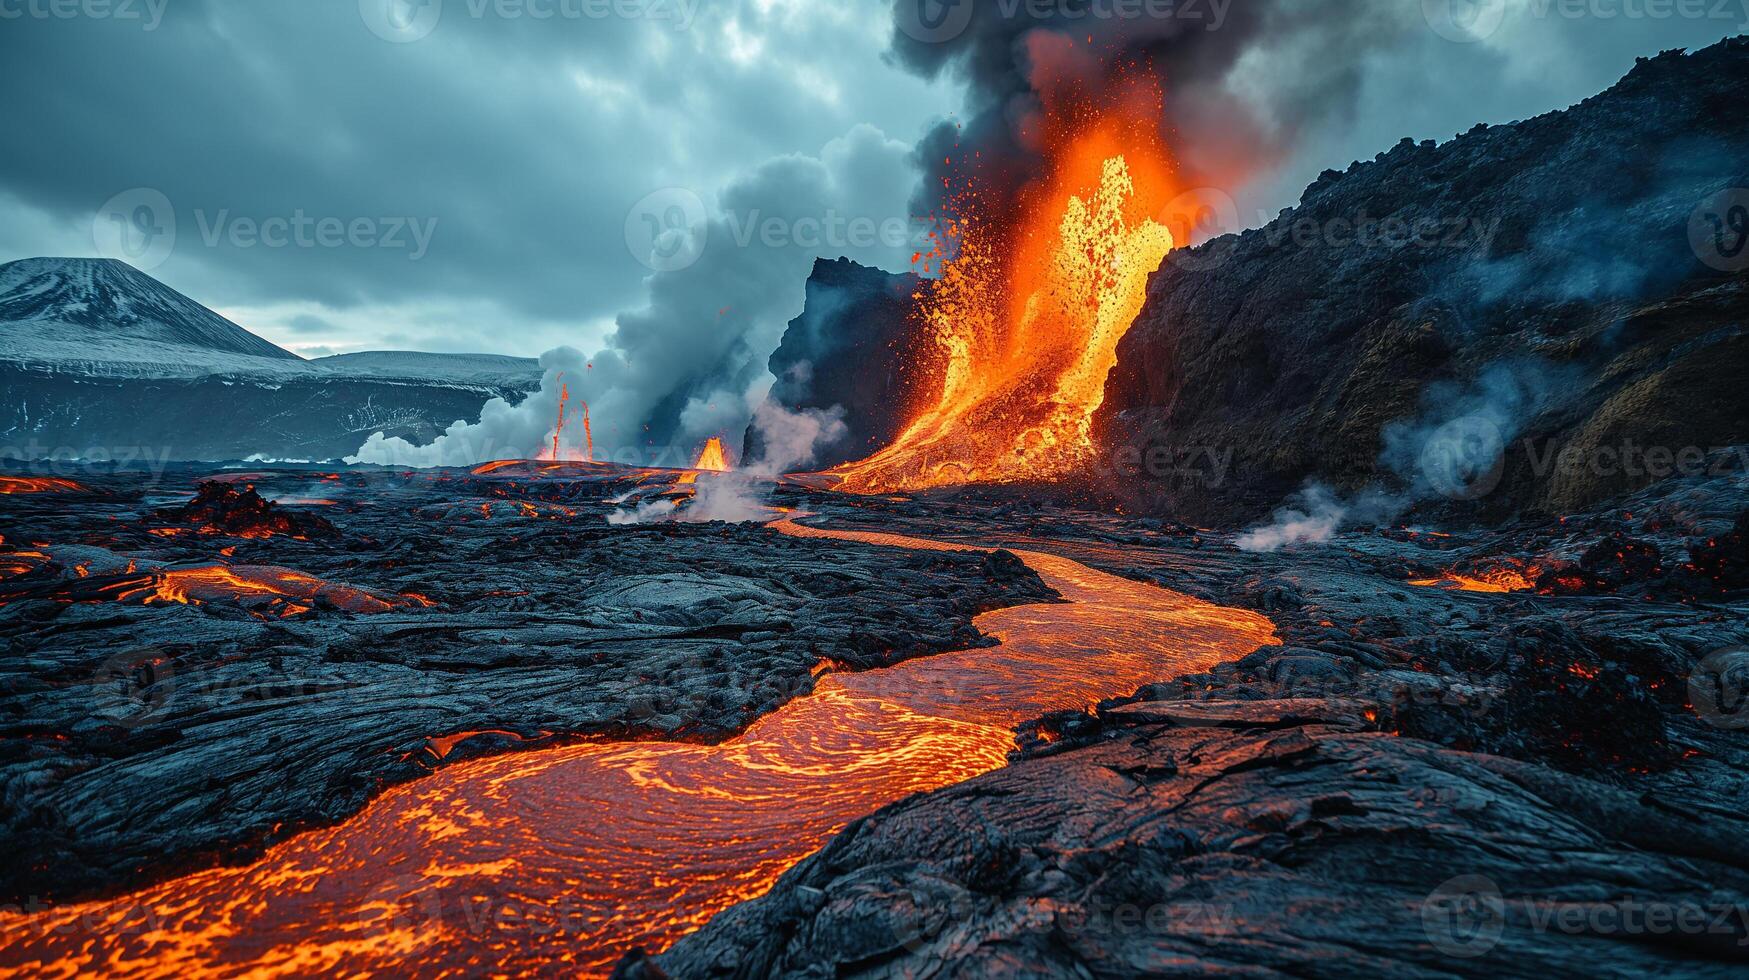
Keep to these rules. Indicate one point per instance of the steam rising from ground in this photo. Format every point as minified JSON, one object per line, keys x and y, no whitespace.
{"x":1454,"y":450}
{"x":1316,"y":513}
{"x":789,"y":439}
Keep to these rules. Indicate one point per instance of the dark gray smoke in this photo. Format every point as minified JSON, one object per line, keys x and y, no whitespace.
{"x":1241,"y":78}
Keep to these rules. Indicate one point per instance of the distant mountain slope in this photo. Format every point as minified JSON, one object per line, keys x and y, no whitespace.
{"x":458,"y":368}
{"x":99,"y":360}
{"x":111,"y":299}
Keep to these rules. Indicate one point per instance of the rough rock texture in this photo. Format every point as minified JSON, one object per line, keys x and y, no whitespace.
{"x":140,"y":736}
{"x":855,"y":347}
{"x":1417,"y":782}
{"x":1554,"y":285}
{"x":1263,"y":846}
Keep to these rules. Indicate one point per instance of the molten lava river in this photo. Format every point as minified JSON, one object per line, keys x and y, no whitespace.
{"x":556,"y":861}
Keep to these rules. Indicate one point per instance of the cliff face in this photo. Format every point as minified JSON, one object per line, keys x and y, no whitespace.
{"x":854,"y":347}
{"x":1574,"y":282}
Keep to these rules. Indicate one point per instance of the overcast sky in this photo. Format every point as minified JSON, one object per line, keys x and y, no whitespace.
{"x":501,"y":154}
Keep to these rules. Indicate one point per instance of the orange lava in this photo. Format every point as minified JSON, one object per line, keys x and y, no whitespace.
{"x":485,"y":468}
{"x":36,"y":484}
{"x":557,"y":861}
{"x":1029,"y":310}
{"x":712,"y":458}
{"x":1494,"y":580}
{"x":293,"y":593}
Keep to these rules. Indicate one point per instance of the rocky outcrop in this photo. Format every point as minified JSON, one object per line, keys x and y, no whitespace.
{"x":1575,"y":280}
{"x":856,"y":347}
{"x":1260,"y":844}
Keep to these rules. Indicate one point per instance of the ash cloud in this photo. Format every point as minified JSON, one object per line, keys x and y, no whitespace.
{"x":1241,"y":81}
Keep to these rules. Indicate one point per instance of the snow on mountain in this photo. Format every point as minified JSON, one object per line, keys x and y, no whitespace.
{"x":478,"y":369}
{"x":100,"y":318}
{"x":69,"y":300}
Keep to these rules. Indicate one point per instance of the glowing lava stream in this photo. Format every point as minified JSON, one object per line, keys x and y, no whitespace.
{"x":556,"y":861}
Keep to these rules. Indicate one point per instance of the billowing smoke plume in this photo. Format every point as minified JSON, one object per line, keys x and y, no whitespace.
{"x":692,"y":363}
{"x":1241,"y":80}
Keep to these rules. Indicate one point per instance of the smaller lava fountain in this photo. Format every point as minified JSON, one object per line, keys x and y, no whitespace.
{"x":712,"y":458}
{"x":558,"y":452}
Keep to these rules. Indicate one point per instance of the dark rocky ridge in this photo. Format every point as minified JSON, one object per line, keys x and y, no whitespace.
{"x":138,"y":741}
{"x":1572,"y":265}
{"x":857,"y":347}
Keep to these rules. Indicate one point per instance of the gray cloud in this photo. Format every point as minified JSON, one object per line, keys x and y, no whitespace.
{"x":526,"y":141}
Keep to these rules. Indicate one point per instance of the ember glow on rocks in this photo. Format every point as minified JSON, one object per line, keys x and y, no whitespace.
{"x":1029,"y":308}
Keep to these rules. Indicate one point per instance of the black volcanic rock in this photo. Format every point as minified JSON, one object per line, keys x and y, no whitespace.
{"x":222,"y":508}
{"x":1251,"y":844}
{"x":140,"y":737}
{"x":856,"y":347}
{"x":1554,"y":251}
